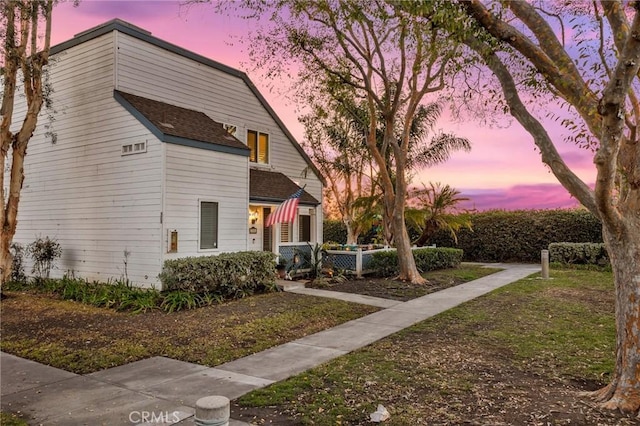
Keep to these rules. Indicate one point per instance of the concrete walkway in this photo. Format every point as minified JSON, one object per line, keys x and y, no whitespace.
{"x":162,"y":391}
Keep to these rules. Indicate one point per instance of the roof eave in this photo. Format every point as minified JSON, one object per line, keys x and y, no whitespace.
{"x":139,"y":33}
{"x":176,"y":140}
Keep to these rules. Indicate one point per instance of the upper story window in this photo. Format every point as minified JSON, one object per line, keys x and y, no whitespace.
{"x":259,"y":145}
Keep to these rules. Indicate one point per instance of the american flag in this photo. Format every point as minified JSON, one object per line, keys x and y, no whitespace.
{"x":287,"y":211}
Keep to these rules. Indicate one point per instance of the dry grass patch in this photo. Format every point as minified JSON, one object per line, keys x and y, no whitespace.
{"x":518,"y":356}
{"x":84,"y":339}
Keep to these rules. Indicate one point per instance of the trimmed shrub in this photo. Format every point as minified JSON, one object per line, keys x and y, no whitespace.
{"x":334,"y":231}
{"x":579,"y":254}
{"x":385,"y":263}
{"x":519,"y":236}
{"x":229,"y":275}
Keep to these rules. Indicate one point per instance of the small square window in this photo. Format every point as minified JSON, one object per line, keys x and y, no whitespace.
{"x":134,"y":148}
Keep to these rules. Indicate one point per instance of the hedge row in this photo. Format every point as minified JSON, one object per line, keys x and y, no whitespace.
{"x":579,"y":254}
{"x":508,"y":236}
{"x":519,"y":236}
{"x":229,"y":275}
{"x":385,"y":263}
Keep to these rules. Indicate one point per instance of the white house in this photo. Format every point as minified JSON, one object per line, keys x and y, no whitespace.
{"x":153,"y":152}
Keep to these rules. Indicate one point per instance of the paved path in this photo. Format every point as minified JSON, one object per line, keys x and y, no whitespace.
{"x":163,"y":391}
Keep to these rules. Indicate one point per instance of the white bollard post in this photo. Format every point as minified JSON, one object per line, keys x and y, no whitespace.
{"x":545,"y":264}
{"x":212,"y":411}
{"x":359,"y":263}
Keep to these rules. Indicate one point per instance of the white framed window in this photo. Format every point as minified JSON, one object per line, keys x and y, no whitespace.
{"x":259,"y":144}
{"x":134,"y":148}
{"x":232,"y":129}
{"x":208,"y":225}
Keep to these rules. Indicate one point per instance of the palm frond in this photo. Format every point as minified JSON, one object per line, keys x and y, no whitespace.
{"x":440,"y":149}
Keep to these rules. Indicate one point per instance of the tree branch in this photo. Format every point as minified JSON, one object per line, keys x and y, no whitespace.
{"x":550,"y":155}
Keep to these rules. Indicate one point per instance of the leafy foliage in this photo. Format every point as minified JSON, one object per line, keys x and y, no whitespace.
{"x":311,"y":259}
{"x":435,"y":208}
{"x":229,"y":275}
{"x":44,"y":252}
{"x":17,"y":268}
{"x":579,"y":254}
{"x":385,"y":263}
{"x":519,"y":236}
{"x":334,"y":231}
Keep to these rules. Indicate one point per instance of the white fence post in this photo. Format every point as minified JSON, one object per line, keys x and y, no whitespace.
{"x":359,"y":263}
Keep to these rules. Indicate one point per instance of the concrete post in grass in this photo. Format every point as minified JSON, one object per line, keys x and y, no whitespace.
{"x":545,"y":264}
{"x":212,"y":411}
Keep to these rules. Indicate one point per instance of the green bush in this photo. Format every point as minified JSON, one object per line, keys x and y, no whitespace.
{"x":579,"y":254}
{"x":44,"y":252}
{"x":117,"y":295}
{"x":334,"y":231}
{"x":229,"y":275}
{"x":519,"y":236}
{"x":385,"y":263}
{"x":17,"y":264}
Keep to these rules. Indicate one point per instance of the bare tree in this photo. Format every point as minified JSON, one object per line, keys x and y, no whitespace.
{"x":601,"y":88}
{"x":21,"y":55}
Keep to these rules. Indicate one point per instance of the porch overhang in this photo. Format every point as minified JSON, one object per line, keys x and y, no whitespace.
{"x":274,"y":187}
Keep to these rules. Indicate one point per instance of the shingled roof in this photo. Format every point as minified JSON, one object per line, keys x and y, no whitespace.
{"x":141,"y":34}
{"x":274,"y":187}
{"x":182,"y":126}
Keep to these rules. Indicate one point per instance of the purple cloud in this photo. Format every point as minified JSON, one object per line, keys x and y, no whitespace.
{"x":518,"y":197}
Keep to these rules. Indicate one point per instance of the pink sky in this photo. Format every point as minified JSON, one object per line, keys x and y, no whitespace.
{"x":502,"y":171}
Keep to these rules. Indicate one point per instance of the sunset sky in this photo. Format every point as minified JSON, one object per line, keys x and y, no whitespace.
{"x":503,"y":170}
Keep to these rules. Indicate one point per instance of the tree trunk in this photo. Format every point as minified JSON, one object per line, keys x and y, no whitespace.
{"x":406,"y":262}
{"x":352,"y":232}
{"x":428,"y":231}
{"x":624,"y":251}
{"x":11,"y":208}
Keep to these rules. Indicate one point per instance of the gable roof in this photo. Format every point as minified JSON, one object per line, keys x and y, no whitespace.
{"x":141,"y":34}
{"x":270,"y":186}
{"x":181,"y":126}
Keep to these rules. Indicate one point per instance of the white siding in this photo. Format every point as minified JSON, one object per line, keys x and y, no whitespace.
{"x":193,"y":175}
{"x":153,"y":72}
{"x":81,"y":191}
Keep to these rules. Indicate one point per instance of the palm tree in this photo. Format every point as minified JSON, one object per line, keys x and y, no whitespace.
{"x":426,"y":148}
{"x":437,"y":210}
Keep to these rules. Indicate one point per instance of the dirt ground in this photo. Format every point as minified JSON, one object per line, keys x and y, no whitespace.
{"x":390,"y":288}
{"x":458,"y":371}
{"x":83,"y":339}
